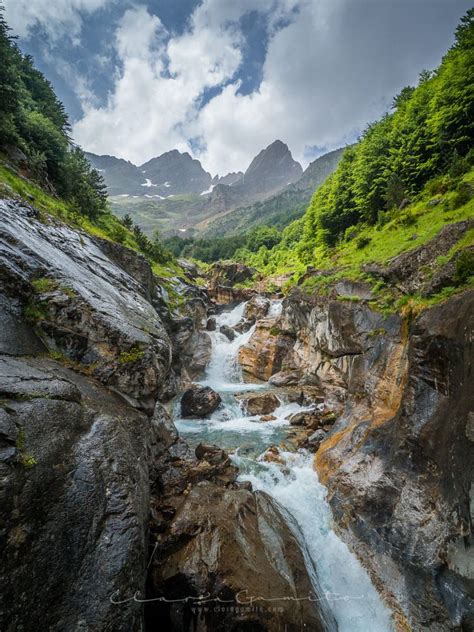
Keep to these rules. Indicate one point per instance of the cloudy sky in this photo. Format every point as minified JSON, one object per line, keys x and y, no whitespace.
{"x":224,"y":78}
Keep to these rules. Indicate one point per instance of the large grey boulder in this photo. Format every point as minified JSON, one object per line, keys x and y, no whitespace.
{"x":233,"y":546}
{"x":199,"y":401}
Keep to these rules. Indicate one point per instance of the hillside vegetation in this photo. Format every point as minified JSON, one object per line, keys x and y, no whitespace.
{"x":408,"y":176}
{"x":39,"y":163}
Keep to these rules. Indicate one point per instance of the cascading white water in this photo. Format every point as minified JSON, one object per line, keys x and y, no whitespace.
{"x":354,"y":602}
{"x":223,"y":371}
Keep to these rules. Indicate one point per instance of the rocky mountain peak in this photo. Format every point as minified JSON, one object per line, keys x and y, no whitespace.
{"x":272,"y":169}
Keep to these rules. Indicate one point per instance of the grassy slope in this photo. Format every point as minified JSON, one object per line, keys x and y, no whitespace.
{"x":418,"y":224}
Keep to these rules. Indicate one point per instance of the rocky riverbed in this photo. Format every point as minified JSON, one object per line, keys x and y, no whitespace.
{"x":320,"y":465}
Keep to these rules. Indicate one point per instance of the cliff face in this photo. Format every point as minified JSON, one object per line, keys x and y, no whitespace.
{"x":398,"y":462}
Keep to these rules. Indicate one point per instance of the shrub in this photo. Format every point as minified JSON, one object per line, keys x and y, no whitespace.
{"x":461,"y":196}
{"x":362,"y":242}
{"x":464,"y":266}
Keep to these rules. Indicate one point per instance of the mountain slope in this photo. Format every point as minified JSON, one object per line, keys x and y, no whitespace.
{"x":121,"y":176}
{"x":279,"y":209}
{"x":173,"y":193}
{"x":175,"y":173}
{"x":270,"y":171}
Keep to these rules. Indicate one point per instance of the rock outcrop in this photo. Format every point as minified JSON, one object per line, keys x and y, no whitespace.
{"x":75,"y":468}
{"x":403,"y":484}
{"x":258,"y":403}
{"x":91,"y":463}
{"x":83,"y":305}
{"x":268,"y":351}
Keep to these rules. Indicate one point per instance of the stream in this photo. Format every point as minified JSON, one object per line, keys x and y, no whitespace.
{"x":354,"y":602}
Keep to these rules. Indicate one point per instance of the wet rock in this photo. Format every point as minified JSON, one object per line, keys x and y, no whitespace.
{"x":75,"y":498}
{"x":211,"y":324}
{"x":223,"y":295}
{"x":228,"y":332}
{"x":132,"y":262}
{"x":224,"y":544}
{"x":199,"y":401}
{"x":196,"y":354}
{"x":315,"y":439}
{"x":400,"y":482}
{"x":259,"y":403}
{"x":267,"y":350}
{"x":267,"y":418}
{"x":164,"y":431}
{"x":211,"y":453}
{"x":244,"y":325}
{"x":256,"y":308}
{"x":196,"y":309}
{"x":84,"y":305}
{"x":298,"y":419}
{"x":285,"y":378}
{"x":272,"y":455}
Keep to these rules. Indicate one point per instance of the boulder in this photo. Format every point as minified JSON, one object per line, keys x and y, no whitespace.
{"x":211,"y":324}
{"x":272,"y":455}
{"x":256,"y":308}
{"x":314,"y":440}
{"x":285,"y":378}
{"x":228,"y":332}
{"x":199,"y":401}
{"x":225,"y":543}
{"x":211,"y":453}
{"x":196,"y":353}
{"x":228,"y":274}
{"x":259,"y":403}
{"x":298,"y":419}
{"x":244,"y":325}
{"x":267,"y":418}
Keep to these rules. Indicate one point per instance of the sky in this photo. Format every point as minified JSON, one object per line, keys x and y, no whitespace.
{"x":222,"y":79}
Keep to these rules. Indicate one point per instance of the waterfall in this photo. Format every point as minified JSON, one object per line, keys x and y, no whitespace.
{"x":354,"y":602}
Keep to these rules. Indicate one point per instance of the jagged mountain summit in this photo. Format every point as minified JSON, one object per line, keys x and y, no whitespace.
{"x":279,"y":209}
{"x":177,"y":173}
{"x":270,"y":171}
{"x":173,"y":192}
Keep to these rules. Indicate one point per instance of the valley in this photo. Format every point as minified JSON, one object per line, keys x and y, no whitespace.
{"x":238,"y":403}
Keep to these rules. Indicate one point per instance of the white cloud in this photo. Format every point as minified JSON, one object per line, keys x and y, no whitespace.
{"x":57,"y":17}
{"x":330,"y":67}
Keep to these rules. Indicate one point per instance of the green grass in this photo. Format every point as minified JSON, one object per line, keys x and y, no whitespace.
{"x":44,"y":285}
{"x":133,"y":355}
{"x":420,"y":222}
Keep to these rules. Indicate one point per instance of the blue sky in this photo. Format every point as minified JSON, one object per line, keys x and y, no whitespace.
{"x":224,"y":78}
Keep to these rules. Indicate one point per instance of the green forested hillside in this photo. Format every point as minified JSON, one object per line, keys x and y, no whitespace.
{"x":34,"y":121}
{"x":409,"y":174}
